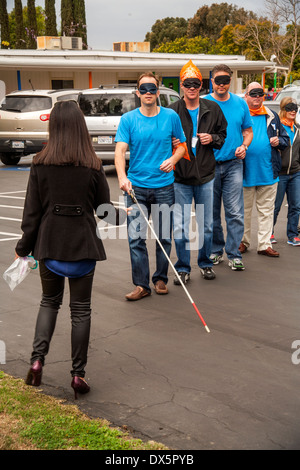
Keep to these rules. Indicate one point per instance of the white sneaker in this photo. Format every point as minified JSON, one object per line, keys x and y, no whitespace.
{"x":216,"y":259}
{"x":236,"y":264}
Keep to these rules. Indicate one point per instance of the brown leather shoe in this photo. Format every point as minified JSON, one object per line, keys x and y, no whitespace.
{"x":160,"y":288}
{"x":269,"y":252}
{"x":137,"y":294}
{"x":243,"y":248}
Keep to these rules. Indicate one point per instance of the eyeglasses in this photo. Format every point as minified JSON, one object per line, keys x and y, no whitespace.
{"x":222,"y":80}
{"x":290,"y":107}
{"x":191,"y":83}
{"x":148,"y":88}
{"x":256,"y":93}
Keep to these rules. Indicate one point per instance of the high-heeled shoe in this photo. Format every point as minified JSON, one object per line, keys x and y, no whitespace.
{"x":34,"y":376}
{"x":79,"y":385}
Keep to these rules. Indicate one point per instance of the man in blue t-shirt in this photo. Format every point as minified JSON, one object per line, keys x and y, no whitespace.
{"x":262,"y":166}
{"x":228,"y":184}
{"x":147,"y":132}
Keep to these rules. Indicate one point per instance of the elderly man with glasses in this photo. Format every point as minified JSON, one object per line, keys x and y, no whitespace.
{"x":262,"y":167}
{"x":148,"y":131}
{"x":205,"y":128}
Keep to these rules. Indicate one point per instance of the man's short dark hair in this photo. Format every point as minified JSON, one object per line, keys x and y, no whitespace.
{"x":221,"y":68}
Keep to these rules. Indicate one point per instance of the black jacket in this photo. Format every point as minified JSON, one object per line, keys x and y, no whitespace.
{"x":200,"y":169}
{"x":291,"y":155}
{"x":59,"y":218}
{"x":275,"y":128}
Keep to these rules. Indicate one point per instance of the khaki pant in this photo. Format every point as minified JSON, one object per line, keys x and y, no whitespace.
{"x":265,"y":199}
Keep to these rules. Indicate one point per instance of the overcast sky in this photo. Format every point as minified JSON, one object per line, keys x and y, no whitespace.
{"x":111,"y":21}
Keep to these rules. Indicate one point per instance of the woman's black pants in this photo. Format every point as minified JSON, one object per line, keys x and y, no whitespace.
{"x":80,"y":308}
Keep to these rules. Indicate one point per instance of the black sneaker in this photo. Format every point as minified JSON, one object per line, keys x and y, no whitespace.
{"x":185,"y":277}
{"x":208,"y":273}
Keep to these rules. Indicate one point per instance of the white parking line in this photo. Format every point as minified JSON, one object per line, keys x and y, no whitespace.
{"x":12,"y":236}
{"x":10,"y":218}
{"x":13,"y":192}
{"x":12,"y":207}
{"x":12,"y":197}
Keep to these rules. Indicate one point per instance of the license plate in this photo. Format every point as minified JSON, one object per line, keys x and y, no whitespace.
{"x":104,"y":139}
{"x":17,"y":144}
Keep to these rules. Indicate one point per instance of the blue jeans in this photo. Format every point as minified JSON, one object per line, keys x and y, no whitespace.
{"x":203,"y":198}
{"x":289,"y":185}
{"x":158,"y":202}
{"x":228,"y":187}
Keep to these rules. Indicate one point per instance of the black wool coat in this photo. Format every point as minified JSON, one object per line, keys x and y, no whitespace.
{"x":59,"y":213}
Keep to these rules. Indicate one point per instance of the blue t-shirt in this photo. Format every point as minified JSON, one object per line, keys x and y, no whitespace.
{"x":258,"y":170}
{"x":150,"y":143}
{"x":238,"y":117}
{"x":290,"y":133}
{"x":194,"y":113}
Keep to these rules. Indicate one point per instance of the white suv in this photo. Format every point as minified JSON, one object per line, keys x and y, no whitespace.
{"x":24,"y":117}
{"x":103,"y":108}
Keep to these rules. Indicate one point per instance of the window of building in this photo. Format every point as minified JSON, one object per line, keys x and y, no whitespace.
{"x":62,"y":84}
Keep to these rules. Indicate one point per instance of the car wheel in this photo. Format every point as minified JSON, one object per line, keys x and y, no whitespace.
{"x":9,"y":159}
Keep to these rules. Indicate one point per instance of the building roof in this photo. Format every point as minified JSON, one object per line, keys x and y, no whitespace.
{"x":18,"y":59}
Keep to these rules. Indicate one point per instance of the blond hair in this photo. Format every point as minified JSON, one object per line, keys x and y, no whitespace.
{"x":283,"y":103}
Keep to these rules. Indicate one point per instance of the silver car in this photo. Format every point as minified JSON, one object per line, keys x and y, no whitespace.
{"x":103,"y":108}
{"x":289,"y":90}
{"x":24,"y":117}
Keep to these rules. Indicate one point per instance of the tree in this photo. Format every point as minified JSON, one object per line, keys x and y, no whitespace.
{"x":257,"y":39}
{"x":80,"y":21}
{"x":209,"y":21}
{"x":32,"y":25}
{"x":4,"y":24}
{"x":226,"y":44}
{"x":73,"y":22}
{"x":19,"y":42}
{"x":67,"y":17}
{"x":287,"y":14}
{"x":14,"y":23}
{"x":50,"y":19}
{"x":166,"y":30}
{"x":187,"y":45}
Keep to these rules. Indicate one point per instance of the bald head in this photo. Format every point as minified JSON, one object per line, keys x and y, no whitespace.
{"x":253,"y":85}
{"x":254,"y":95}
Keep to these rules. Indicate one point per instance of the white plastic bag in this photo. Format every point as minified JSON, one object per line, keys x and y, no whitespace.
{"x":17,"y":271}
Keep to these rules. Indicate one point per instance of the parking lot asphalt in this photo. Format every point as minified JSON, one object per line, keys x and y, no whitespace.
{"x":152,"y":366}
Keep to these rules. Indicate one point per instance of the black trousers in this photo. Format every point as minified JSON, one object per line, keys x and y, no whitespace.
{"x":80,"y":308}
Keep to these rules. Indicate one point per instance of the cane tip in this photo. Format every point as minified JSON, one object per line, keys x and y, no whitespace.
{"x":207,"y":329}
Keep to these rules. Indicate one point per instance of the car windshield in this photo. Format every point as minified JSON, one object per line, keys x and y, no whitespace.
{"x":25,"y":104}
{"x":107,"y":104}
{"x":293,"y":93}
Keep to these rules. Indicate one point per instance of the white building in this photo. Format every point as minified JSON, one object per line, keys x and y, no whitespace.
{"x":80,"y":69}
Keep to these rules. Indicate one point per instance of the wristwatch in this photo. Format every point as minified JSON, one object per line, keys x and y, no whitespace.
{"x":246,"y":146}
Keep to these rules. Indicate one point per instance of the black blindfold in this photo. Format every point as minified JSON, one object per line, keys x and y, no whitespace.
{"x":222,"y":80}
{"x":192,"y":83}
{"x":148,"y":88}
{"x":256,"y":93}
{"x":291,"y":107}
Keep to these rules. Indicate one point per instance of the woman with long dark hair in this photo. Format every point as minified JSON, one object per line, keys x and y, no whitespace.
{"x":66,"y":185}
